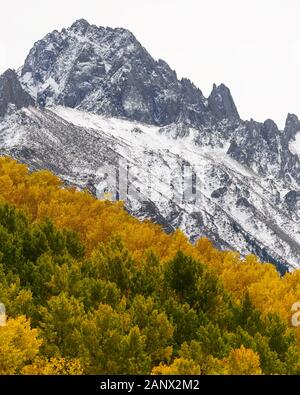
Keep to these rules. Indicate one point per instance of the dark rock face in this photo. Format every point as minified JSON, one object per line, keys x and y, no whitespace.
{"x":107,"y":71}
{"x":219,"y":192}
{"x":292,"y":200}
{"x":221,"y":103}
{"x":11,"y":92}
{"x":292,"y":126}
{"x":265,"y":149}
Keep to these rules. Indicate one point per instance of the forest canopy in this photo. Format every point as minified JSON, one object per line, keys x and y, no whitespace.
{"x":88,"y":289}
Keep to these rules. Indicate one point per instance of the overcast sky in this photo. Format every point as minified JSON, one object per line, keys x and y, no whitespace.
{"x":253,"y":46}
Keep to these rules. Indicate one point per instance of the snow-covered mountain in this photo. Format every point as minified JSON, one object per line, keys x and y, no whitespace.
{"x":113,"y":112}
{"x":106,"y":70}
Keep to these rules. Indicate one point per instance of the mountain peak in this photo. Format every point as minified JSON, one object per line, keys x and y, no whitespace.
{"x":10,"y":73}
{"x":221,"y":102}
{"x":270,"y":124}
{"x":292,"y":126}
{"x":81,"y":25}
{"x":107,"y":71}
{"x":291,"y":119}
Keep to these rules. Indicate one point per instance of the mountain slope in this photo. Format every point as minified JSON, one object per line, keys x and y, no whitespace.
{"x":234,"y":206}
{"x":108,"y":100}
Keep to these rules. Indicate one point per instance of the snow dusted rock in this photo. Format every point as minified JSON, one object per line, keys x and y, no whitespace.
{"x":292,"y":127}
{"x":107,"y":71}
{"x":221,"y":103}
{"x":11,"y":92}
{"x":113,"y":112}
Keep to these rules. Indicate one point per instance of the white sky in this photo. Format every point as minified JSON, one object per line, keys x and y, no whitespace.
{"x":253,"y":46}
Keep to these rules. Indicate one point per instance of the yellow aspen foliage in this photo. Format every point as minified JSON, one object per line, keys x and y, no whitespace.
{"x":180,"y":366}
{"x":178,"y":242}
{"x":208,"y":254}
{"x":19,"y":344}
{"x":242,"y":361}
{"x":6,"y":184}
{"x":54,"y":366}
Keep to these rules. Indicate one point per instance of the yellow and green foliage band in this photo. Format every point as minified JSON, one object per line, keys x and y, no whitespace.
{"x":88,"y":289}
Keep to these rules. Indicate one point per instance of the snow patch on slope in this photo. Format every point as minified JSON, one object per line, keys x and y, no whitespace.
{"x":294,"y":145}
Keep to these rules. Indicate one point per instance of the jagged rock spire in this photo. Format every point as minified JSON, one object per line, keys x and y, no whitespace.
{"x":292,"y":126}
{"x":221,"y":103}
{"x":11,"y":92}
